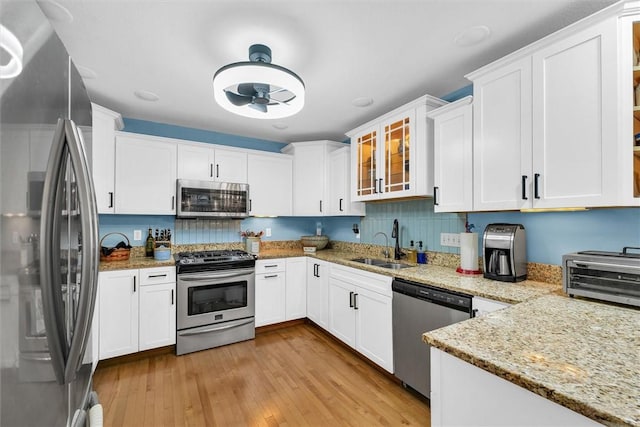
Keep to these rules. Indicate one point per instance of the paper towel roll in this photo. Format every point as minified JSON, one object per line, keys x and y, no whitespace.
{"x":469,"y":251}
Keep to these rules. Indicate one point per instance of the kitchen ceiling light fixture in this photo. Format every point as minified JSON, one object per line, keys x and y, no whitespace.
{"x":258,"y":88}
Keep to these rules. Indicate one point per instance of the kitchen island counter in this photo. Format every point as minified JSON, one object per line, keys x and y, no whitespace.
{"x":580,"y":354}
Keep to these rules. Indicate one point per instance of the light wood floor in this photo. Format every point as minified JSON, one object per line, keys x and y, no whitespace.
{"x":295,"y":376}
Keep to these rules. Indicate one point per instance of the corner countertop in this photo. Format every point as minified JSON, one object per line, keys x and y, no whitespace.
{"x":581,"y":354}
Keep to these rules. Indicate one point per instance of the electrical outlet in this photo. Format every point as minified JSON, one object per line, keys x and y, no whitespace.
{"x":450,"y":239}
{"x":267,"y":232}
{"x":137,"y":234}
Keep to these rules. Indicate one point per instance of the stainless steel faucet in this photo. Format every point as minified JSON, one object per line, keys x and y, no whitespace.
{"x":395,"y":234}
{"x":385,"y":251}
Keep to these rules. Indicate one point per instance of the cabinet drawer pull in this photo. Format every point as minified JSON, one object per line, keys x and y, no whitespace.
{"x":524,"y":187}
{"x":271,"y":276}
{"x":271,"y":266}
{"x":536,"y":178}
{"x":153,"y":276}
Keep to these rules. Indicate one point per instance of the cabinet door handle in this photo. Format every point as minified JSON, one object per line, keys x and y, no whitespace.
{"x":250,"y":205}
{"x":171,"y":296}
{"x":217,"y":171}
{"x":355,"y":301}
{"x":474,"y":312}
{"x":320,"y":205}
{"x":340,"y":205}
{"x":435,"y":196}
{"x":375,"y":186}
{"x":110,"y":199}
{"x":173,"y":202}
{"x":524,"y":187}
{"x":134,"y":284}
{"x":271,"y":276}
{"x":210,"y":170}
{"x":351,"y":299}
{"x":380,"y":185}
{"x":316,"y":270}
{"x":536,"y":178}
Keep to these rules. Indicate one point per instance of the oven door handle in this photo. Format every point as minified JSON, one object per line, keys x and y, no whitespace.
{"x":215,"y":329}
{"x":212,"y":277}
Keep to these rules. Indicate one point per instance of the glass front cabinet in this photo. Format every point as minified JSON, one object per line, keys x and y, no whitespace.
{"x":633,"y":24}
{"x":392,"y":156}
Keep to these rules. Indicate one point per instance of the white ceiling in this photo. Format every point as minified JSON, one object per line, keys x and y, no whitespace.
{"x":390,"y":50}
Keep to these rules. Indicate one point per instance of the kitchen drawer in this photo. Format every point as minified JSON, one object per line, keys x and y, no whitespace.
{"x":365,"y":279}
{"x":152,"y":276}
{"x":270,"y":266}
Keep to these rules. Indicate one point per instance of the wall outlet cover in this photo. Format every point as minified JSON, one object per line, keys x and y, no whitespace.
{"x":450,"y":239}
{"x":137,"y":234}
{"x":267,"y":232}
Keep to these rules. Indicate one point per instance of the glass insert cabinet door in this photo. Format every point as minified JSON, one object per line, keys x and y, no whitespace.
{"x":397,"y":153}
{"x":636,"y":109}
{"x":366,"y":174}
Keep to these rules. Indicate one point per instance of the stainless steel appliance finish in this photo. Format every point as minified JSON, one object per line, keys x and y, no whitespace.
{"x":48,"y":207}
{"x":417,"y":309}
{"x":504,"y":252}
{"x":209,"y":199}
{"x":215,"y":299}
{"x":604,"y":276}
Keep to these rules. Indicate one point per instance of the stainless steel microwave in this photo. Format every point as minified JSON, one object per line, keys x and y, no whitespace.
{"x":208,"y":199}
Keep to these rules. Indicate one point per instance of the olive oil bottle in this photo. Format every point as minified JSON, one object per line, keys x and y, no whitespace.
{"x":148,"y":248}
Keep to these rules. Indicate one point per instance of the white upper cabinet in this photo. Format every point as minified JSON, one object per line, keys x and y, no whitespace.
{"x":145,"y":175}
{"x":339,"y":194}
{"x":392,"y":156}
{"x":206,"y":163}
{"x":453,"y":156}
{"x":270,"y":177}
{"x":105,"y":123}
{"x":545,"y":122}
{"x":310,"y":176}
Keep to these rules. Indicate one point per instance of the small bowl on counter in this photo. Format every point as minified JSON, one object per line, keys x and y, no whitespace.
{"x":319,"y":242}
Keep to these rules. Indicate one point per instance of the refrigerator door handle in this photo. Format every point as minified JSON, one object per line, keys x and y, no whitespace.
{"x":50,"y":280}
{"x":90,"y":254}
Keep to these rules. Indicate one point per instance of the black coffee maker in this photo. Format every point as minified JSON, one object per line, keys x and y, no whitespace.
{"x":504,"y":252}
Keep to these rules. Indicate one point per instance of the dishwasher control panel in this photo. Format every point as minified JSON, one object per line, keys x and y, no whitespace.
{"x":429,"y":293}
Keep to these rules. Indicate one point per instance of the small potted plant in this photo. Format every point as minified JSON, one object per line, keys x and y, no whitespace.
{"x":252,"y":241}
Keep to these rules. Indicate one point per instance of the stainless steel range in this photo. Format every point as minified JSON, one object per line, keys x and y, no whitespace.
{"x":215,"y":299}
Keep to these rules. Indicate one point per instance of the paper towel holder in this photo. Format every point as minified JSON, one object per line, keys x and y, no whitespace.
{"x":469,"y":253}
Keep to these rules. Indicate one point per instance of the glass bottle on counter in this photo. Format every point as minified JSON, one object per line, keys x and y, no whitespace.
{"x":148,"y":248}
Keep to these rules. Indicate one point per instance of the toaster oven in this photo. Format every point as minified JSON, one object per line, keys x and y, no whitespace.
{"x":605,"y":276}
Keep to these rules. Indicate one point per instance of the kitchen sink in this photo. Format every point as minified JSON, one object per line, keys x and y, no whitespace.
{"x":381,"y":263}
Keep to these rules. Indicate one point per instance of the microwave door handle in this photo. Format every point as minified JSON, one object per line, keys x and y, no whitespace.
{"x":90,"y":255}
{"x":211,"y":277}
{"x":51,"y":286}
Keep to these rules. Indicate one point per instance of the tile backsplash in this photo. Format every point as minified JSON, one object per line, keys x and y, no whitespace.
{"x":417,"y":222}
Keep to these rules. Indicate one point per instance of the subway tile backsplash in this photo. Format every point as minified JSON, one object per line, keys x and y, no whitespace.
{"x":417,"y":222}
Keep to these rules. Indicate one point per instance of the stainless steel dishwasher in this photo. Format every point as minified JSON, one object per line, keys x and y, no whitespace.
{"x":417,"y":309}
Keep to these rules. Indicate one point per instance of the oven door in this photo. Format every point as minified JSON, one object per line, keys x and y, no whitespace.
{"x":211,"y":297}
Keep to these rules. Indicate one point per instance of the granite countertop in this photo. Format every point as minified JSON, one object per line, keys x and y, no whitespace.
{"x":581,"y":354}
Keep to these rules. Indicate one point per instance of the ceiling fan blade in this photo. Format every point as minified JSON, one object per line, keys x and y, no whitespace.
{"x":259,"y":107}
{"x":238,"y":100}
{"x":246,"y":89}
{"x":286,"y":102}
{"x":282,"y":89}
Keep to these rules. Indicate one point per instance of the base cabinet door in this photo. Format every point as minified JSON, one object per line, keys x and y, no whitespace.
{"x":296,"y":288}
{"x":342,"y":316}
{"x":318,"y":292}
{"x":157,"y":316}
{"x":118,"y":307}
{"x":373,"y":327}
{"x":270,"y":298}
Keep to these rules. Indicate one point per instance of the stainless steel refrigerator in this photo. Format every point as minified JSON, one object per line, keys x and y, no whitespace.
{"x":48,"y":227}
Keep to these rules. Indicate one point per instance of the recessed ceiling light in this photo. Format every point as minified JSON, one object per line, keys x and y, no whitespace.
{"x":363,"y":101}
{"x":280,"y":126}
{"x":146,"y":95}
{"x":86,"y":73}
{"x":55,"y":11}
{"x":472,"y":36}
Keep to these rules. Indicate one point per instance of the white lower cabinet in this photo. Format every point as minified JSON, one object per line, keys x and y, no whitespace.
{"x":270,"y":292}
{"x":136,"y":310}
{"x":455,"y":383}
{"x":360,"y":312}
{"x":296,"y":288}
{"x":482,"y":306}
{"x":318,"y":292}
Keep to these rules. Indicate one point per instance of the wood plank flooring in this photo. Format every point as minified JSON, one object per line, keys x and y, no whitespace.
{"x":295,"y":376}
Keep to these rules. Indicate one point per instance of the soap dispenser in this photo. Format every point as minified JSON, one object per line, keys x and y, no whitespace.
{"x":422,"y":256}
